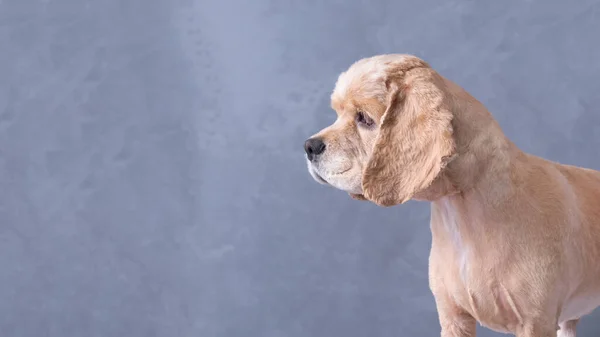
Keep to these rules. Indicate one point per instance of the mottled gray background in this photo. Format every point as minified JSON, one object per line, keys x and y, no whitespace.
{"x":152,"y":178}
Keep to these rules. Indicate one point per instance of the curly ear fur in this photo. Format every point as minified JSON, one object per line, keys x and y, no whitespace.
{"x":414,"y":140}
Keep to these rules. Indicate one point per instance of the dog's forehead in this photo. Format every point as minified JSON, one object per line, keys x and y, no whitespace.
{"x":364,"y":79}
{"x":364,"y":75}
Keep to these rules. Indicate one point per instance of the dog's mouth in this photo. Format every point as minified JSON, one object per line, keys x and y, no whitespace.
{"x":314,"y":172}
{"x":316,"y":175}
{"x":320,"y":179}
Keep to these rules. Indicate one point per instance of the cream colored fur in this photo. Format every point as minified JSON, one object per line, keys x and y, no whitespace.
{"x":516,"y":238}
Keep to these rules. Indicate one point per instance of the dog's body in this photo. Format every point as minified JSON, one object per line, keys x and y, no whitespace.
{"x":515,"y":238}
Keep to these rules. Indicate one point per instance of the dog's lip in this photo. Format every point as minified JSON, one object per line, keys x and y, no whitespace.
{"x":316,"y":175}
{"x":320,"y":178}
{"x":323,"y":180}
{"x":343,"y":171}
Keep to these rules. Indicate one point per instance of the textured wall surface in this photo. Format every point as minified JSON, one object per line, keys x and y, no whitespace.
{"x":152,"y":178}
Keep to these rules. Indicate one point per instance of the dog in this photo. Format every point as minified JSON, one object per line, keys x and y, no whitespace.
{"x":515,"y":237}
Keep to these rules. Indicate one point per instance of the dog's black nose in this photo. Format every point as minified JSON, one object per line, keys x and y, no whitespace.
{"x":314,"y":147}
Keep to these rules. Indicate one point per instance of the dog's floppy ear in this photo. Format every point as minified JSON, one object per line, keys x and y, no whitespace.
{"x":414,"y":141}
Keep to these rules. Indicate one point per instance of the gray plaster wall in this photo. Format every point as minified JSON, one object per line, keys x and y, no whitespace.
{"x":152,"y":178}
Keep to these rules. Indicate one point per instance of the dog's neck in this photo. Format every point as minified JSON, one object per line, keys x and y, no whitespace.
{"x":484,"y":157}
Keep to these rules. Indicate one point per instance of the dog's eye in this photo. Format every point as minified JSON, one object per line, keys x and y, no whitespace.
{"x":363,"y":119}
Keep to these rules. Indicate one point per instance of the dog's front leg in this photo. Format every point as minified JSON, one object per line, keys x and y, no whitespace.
{"x":454,"y":321}
{"x":568,"y":329}
{"x":461,"y":325}
{"x":537,"y":330}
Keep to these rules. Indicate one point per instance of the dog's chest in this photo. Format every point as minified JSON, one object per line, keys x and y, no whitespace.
{"x":473,"y":285}
{"x":467,"y":274}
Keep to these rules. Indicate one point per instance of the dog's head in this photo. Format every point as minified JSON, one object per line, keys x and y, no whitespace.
{"x":393,"y":133}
